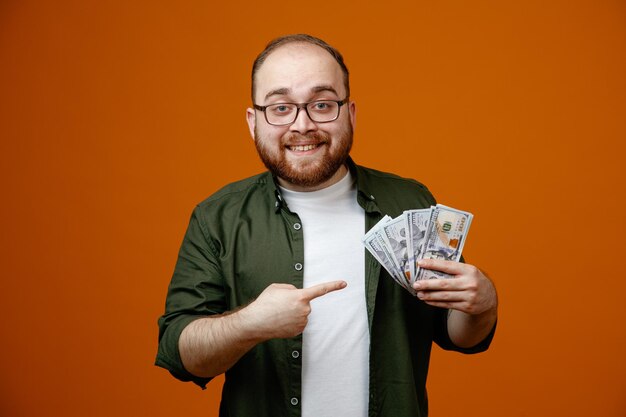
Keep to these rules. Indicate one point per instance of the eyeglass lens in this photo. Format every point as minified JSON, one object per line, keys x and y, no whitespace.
{"x":286,"y":113}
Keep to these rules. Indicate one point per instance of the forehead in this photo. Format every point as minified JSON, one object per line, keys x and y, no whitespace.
{"x":296,"y":71}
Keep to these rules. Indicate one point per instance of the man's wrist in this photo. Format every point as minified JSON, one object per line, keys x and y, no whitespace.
{"x":245,"y":322}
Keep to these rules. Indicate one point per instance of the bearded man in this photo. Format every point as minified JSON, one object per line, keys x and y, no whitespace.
{"x":273,"y":286}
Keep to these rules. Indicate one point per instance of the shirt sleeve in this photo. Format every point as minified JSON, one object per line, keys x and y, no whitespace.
{"x":442,"y":338}
{"x":195,"y":291}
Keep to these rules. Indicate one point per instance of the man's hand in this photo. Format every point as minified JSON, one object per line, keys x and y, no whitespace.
{"x":211,"y":345}
{"x":282,"y":310}
{"x":470,"y":291}
{"x":470,"y":296}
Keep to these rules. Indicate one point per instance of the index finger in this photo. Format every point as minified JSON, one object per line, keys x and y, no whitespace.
{"x":322,"y":289}
{"x":450,"y":267}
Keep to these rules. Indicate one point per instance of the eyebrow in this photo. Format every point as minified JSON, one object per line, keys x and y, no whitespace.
{"x":285,"y":91}
{"x":320,"y":88}
{"x":278,"y":92}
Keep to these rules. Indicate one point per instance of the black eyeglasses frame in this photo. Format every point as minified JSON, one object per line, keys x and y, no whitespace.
{"x":300,"y":106}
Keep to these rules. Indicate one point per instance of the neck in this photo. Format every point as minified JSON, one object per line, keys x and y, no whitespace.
{"x":337,"y":176}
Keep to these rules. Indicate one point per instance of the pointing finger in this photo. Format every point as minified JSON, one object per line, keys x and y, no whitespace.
{"x":322,"y":289}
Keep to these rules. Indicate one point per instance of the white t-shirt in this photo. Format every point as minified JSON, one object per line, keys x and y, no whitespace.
{"x":335,"y":349}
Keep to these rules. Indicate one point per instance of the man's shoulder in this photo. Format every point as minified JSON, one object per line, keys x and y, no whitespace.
{"x":392,"y":193}
{"x":383,"y":180}
{"x":260,"y":185}
{"x":387,"y":176}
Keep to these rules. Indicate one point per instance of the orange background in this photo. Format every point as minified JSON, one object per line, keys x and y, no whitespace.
{"x":117,"y":117}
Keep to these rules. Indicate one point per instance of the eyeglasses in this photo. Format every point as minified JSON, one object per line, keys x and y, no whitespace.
{"x":320,"y":111}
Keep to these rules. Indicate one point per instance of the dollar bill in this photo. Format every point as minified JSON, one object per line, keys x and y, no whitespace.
{"x":438,"y":232}
{"x":395,"y":238}
{"x":370,"y":240}
{"x":445,"y":238}
{"x":375,"y":243}
{"x":375,"y":229}
{"x":417,"y":225}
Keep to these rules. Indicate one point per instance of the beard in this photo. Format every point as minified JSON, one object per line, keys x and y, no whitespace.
{"x":306,"y":172}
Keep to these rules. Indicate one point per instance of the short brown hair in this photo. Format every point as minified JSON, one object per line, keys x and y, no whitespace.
{"x":300,"y":37}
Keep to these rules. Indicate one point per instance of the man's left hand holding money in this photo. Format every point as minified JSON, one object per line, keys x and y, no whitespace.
{"x":470,"y":296}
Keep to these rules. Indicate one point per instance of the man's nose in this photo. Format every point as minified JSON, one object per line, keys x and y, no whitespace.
{"x":303,"y":123}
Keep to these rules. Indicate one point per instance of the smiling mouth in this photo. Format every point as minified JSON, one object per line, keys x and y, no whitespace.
{"x":302,"y":148}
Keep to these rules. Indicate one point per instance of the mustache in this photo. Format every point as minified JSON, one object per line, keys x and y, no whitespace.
{"x":297,"y":138}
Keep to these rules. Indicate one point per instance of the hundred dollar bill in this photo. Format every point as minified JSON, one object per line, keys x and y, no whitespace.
{"x":378,"y":226}
{"x":445,"y":237}
{"x":375,"y":244}
{"x":369,"y":239}
{"x":395,"y":238}
{"x":417,"y":224}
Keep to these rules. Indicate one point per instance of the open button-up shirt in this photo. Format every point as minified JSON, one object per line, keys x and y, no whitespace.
{"x":244,"y":238}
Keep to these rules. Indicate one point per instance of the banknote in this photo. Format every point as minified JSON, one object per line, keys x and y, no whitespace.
{"x":395,"y":238}
{"x":417,"y":225}
{"x":445,"y":238}
{"x":375,"y":243}
{"x":438,"y":232}
{"x":370,"y":240}
{"x":367,"y":239}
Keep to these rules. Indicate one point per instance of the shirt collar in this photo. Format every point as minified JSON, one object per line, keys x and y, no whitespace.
{"x":365,"y":197}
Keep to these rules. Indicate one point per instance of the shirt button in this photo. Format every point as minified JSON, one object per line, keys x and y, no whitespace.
{"x":295,"y":354}
{"x":297,"y":226}
{"x":294,"y":401}
{"x":298,"y":266}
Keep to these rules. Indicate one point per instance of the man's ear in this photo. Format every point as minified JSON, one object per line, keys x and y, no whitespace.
{"x":251,"y":119}
{"x":352,"y":111}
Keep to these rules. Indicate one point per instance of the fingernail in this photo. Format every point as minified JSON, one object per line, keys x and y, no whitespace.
{"x":420,"y":295}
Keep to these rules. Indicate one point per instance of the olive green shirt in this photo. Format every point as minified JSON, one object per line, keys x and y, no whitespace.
{"x":244,"y":238}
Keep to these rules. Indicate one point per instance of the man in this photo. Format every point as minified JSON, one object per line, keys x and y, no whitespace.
{"x":273,"y":286}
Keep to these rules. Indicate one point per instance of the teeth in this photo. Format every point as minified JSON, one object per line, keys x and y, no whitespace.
{"x":302,"y":148}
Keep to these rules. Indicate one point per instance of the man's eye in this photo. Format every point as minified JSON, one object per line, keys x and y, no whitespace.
{"x":280,"y":109}
{"x":321,"y":105}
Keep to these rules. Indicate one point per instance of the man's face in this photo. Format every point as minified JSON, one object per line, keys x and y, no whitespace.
{"x":305,"y":155}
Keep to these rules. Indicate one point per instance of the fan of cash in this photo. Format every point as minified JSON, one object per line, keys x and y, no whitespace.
{"x":438,"y":232}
